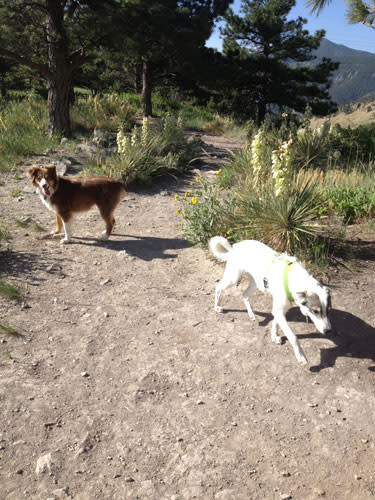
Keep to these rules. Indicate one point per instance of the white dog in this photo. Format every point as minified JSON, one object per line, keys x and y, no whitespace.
{"x":282,"y":276}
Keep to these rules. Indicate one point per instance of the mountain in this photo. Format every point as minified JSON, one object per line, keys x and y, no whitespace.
{"x":355,"y":78}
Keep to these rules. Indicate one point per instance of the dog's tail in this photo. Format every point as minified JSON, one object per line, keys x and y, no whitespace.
{"x":220,"y":247}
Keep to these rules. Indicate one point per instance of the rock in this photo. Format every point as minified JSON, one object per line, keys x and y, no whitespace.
{"x":61,"y":493}
{"x":44,"y":464}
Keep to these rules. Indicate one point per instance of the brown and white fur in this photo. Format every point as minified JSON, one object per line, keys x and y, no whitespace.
{"x":265,"y":269}
{"x":66,"y":196}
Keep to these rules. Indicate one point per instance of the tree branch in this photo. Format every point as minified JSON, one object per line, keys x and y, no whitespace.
{"x":42,"y":68}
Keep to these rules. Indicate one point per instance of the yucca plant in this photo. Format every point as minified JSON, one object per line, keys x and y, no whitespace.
{"x":311,"y":146}
{"x":287,"y":222}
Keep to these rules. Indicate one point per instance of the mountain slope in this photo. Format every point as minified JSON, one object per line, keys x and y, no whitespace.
{"x":355,"y":77}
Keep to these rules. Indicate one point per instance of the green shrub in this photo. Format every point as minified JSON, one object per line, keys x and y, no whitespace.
{"x":151,"y":152}
{"x":205,"y":212}
{"x":351,"y":202}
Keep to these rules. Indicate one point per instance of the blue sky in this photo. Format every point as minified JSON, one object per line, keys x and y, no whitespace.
{"x":332,"y":19}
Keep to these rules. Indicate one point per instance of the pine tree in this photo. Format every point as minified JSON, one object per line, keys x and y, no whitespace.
{"x":275,"y":59}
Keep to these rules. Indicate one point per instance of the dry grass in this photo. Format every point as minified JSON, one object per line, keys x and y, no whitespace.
{"x":336,"y":177}
{"x":360,"y":114}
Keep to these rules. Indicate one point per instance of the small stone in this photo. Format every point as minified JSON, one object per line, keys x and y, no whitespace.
{"x":285,"y":496}
{"x":129,"y":480}
{"x":16,"y":443}
{"x":312,"y":405}
{"x":285,"y":473}
{"x":44,"y":464}
{"x":61,"y":492}
{"x":84,"y":374}
{"x":199,"y":402}
{"x":357,"y":477}
{"x":319,"y":493}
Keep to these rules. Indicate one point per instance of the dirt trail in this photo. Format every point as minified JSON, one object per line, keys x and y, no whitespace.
{"x":123,"y":383}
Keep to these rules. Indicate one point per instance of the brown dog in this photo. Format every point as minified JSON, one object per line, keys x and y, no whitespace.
{"x":67,"y":195}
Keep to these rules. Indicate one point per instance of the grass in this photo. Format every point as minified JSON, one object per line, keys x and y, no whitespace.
{"x":8,"y":290}
{"x":4,"y":234}
{"x":7,"y":330}
{"x":23,"y":126}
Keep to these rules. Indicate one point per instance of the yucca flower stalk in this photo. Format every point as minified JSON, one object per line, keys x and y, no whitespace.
{"x":258,"y":157}
{"x":145,"y":131}
{"x":122,"y":142}
{"x":180,"y":122}
{"x":282,"y":166}
{"x":134,"y":137}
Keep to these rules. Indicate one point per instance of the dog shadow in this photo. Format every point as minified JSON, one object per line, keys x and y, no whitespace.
{"x":353,"y":337}
{"x":142,"y":247}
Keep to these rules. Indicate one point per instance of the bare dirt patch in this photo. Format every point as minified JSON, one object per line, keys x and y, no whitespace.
{"x":124,"y":383}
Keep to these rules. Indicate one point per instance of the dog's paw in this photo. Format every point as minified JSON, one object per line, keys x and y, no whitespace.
{"x":218,"y":309}
{"x":301,"y":358}
{"x":65,"y":241}
{"x":104,"y":236}
{"x":276,"y":339}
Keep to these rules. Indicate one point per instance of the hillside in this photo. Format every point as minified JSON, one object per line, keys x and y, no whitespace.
{"x":355,"y":77}
{"x":350,"y":115}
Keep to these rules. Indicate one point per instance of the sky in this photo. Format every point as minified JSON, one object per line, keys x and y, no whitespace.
{"x":332,"y":19}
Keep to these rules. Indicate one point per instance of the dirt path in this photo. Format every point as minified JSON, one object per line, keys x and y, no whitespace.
{"x":123,"y":383}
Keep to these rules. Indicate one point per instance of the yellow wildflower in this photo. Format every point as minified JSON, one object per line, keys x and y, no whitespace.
{"x":183,"y":212}
{"x":197,"y":179}
{"x":191,"y":183}
{"x":194,"y":200}
{"x":218,"y":171}
{"x":175,"y":197}
{"x":186,"y":195}
{"x":177,"y":211}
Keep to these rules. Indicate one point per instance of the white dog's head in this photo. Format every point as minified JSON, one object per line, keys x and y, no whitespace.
{"x":316,"y":305}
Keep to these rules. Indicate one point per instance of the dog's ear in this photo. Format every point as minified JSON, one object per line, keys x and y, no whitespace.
{"x":33,"y":171}
{"x":51,"y":171}
{"x":301,"y":298}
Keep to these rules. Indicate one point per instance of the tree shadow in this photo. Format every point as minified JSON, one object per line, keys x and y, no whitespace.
{"x":143,"y":247}
{"x":25,"y":265}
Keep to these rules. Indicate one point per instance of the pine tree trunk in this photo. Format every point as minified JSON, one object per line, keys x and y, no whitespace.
{"x":146,"y":90}
{"x":59,"y":72}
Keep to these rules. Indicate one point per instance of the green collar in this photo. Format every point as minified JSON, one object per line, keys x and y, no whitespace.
{"x":288,"y":264}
